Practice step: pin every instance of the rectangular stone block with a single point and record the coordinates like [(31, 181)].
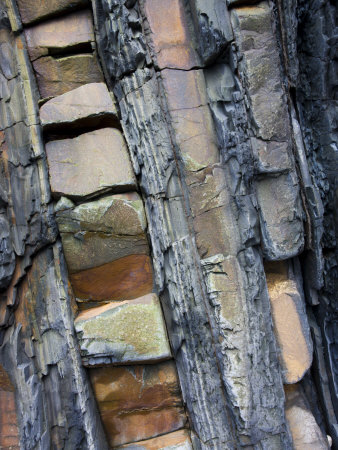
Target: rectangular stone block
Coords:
[(90, 163), (290, 320), (102, 231), (55, 76), (59, 34), (128, 277), (91, 101), (304, 429), (178, 440), (31, 10), (280, 213), (139, 402), (171, 41), (131, 331)]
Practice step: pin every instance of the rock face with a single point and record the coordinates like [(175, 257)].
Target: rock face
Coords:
[(80, 167), (168, 227), (139, 402), (78, 107), (123, 332)]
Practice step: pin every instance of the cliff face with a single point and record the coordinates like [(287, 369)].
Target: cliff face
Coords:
[(168, 258)]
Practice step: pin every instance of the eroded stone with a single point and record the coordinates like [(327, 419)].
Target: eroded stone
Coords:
[(123, 332), (139, 402), (89, 101), (31, 11), (102, 231), (90, 163), (171, 40), (290, 321), (305, 431), (129, 277), (9, 433), (55, 76), (55, 36), (178, 440)]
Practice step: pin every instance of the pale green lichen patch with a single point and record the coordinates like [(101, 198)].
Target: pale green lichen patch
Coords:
[(130, 331)]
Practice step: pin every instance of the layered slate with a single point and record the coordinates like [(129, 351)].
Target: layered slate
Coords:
[(139, 402), (132, 331), (82, 166)]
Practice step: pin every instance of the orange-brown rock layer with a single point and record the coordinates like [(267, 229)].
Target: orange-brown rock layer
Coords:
[(9, 434), (138, 402)]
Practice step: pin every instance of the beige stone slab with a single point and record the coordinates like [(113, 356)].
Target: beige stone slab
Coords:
[(55, 76), (58, 34), (32, 10), (90, 163), (178, 440), (102, 231), (131, 331), (305, 432), (170, 35), (290, 321), (89, 101), (139, 402)]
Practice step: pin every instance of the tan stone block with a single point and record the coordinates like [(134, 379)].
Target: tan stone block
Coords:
[(90, 101), (9, 433), (139, 402), (102, 231), (305, 431), (171, 40), (290, 322), (129, 277), (191, 117), (31, 10), (131, 331), (55, 76), (90, 163), (56, 35), (178, 440)]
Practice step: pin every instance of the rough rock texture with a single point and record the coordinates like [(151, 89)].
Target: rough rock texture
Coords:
[(304, 429), (178, 440), (31, 11), (81, 167), (130, 331), (102, 231), (9, 433), (55, 76), (127, 277), (138, 402), (60, 35), (79, 107), (290, 320)]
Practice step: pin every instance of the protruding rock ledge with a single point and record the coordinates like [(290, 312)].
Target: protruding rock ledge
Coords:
[(81, 106), (290, 321), (132, 331), (31, 10), (90, 163), (178, 440), (305, 431), (102, 231), (139, 402), (57, 35)]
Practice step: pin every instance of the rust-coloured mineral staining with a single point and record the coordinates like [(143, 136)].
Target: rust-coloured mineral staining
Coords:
[(168, 197)]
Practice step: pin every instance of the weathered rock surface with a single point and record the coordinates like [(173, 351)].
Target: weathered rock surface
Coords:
[(305, 432), (55, 76), (31, 11), (290, 321), (90, 101), (90, 163), (9, 433), (124, 278), (123, 332), (171, 40), (103, 231), (139, 402), (59, 35), (178, 440)]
